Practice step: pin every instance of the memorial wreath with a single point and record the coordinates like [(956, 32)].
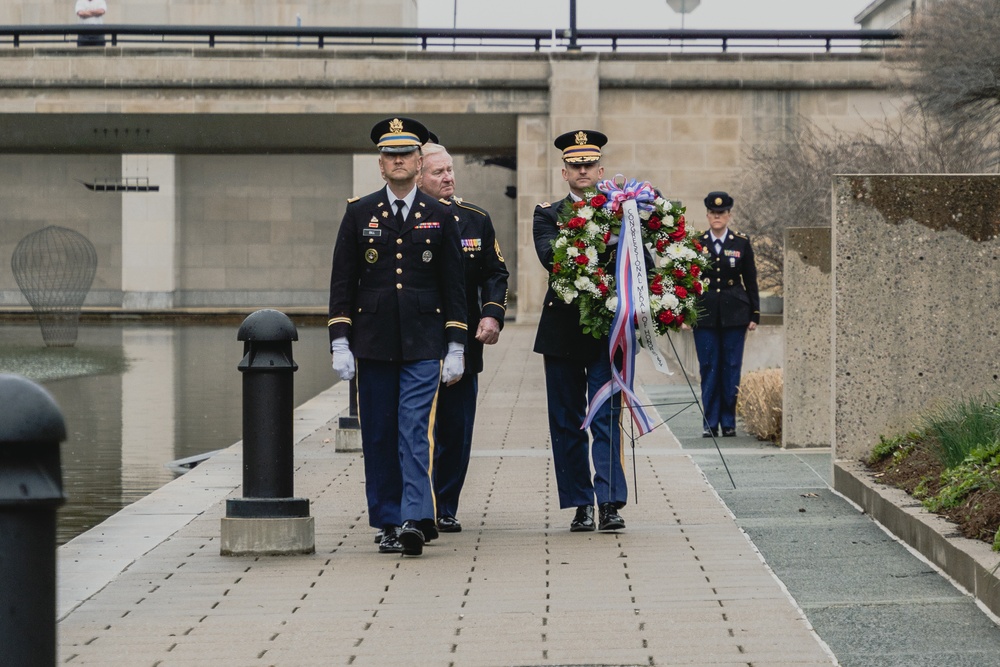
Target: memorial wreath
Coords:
[(583, 271)]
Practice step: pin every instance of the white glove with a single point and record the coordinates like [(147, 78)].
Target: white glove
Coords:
[(454, 364), (343, 360)]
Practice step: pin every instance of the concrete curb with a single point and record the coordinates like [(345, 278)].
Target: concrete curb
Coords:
[(971, 563)]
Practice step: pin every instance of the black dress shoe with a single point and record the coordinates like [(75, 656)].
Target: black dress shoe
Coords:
[(728, 432), (428, 528), (379, 535), (411, 538), (389, 544), (709, 433), (584, 519), (449, 524), (610, 519)]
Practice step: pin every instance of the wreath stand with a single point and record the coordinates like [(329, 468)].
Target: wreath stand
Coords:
[(684, 405)]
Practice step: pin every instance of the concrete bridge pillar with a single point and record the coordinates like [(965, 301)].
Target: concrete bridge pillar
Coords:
[(149, 232), (574, 96)]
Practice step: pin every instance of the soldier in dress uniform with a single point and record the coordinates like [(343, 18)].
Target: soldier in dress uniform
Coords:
[(396, 309), (486, 302), (728, 308), (577, 365)]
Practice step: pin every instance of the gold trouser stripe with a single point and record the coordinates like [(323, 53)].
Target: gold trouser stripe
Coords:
[(430, 439)]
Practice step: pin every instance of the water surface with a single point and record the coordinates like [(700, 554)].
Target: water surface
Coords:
[(137, 396)]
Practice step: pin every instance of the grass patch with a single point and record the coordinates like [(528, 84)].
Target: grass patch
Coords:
[(759, 403), (951, 464)]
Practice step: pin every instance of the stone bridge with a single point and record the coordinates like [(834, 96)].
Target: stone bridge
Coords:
[(216, 178)]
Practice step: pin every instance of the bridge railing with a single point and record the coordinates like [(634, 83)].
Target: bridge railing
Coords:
[(442, 39)]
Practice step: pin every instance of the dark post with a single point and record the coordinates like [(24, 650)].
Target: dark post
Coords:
[(573, 46), (268, 405), (31, 428)]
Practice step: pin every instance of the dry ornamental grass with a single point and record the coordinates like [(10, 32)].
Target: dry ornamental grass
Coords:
[(759, 403)]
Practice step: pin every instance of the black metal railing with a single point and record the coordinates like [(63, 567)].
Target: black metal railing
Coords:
[(431, 39)]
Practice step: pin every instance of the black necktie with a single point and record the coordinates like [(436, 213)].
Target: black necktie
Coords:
[(399, 212)]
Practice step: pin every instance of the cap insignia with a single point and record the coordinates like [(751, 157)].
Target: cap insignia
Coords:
[(581, 138), (395, 126), (718, 201)]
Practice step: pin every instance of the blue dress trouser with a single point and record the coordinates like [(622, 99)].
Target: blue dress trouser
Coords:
[(720, 358), (396, 408), (569, 384), (456, 416)]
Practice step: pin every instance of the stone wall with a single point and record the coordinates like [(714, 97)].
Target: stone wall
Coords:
[(808, 291), (916, 277)]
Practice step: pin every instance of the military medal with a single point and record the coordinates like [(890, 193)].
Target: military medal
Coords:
[(371, 255), (385, 214), (427, 256), (417, 215)]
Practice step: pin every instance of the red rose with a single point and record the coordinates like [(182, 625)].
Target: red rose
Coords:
[(556, 268), (680, 292), (679, 273), (667, 316), (697, 246), (581, 245), (598, 201), (679, 320), (579, 204), (677, 235), (681, 220), (654, 223), (576, 223), (661, 245), (607, 236), (695, 270), (581, 259), (656, 287), (697, 287), (599, 272), (602, 288)]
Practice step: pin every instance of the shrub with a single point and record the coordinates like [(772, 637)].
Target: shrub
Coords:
[(963, 426), (759, 403)]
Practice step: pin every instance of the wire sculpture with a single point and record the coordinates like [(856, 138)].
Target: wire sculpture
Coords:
[(55, 267)]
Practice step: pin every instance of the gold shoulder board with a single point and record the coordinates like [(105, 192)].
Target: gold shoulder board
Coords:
[(353, 199), (545, 204)]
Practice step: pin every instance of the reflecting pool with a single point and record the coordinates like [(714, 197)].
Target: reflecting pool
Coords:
[(137, 396)]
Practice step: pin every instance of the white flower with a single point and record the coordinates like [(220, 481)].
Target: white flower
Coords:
[(644, 214), (583, 283), (592, 228), (572, 251), (669, 300), (661, 203), (668, 220), (591, 253), (561, 242), (587, 212), (612, 303), (569, 295)]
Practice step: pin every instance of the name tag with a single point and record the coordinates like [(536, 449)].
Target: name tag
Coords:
[(371, 232)]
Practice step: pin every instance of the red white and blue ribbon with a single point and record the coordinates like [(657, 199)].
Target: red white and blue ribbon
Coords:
[(618, 191), (633, 301)]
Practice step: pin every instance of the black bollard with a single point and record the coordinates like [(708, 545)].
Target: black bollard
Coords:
[(268, 457), (31, 428)]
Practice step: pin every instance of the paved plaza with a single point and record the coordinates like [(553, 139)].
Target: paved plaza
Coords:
[(682, 585)]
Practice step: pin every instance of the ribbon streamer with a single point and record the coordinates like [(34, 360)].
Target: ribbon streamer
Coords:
[(618, 191), (633, 300)]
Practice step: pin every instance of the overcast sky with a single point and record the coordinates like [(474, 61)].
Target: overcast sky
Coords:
[(651, 14)]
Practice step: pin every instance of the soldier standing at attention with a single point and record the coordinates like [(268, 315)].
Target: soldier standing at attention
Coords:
[(486, 302), (396, 309), (729, 307), (577, 365)]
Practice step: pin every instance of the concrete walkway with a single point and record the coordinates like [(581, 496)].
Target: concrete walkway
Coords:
[(682, 585)]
